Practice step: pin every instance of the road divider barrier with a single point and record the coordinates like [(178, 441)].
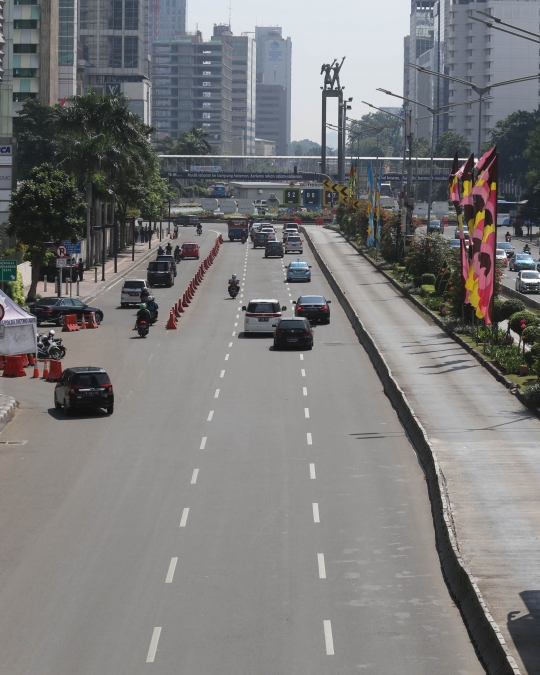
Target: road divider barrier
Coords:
[(55, 371), (13, 367), (92, 323), (70, 323)]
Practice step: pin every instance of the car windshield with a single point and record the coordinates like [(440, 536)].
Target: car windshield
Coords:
[(311, 300), (289, 323), (91, 379), (133, 284), (158, 266), (530, 275), (263, 307), (47, 301)]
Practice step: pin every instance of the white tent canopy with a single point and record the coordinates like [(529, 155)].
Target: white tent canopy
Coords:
[(17, 329)]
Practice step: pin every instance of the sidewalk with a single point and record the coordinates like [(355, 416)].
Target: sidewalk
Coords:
[(486, 442), (88, 288)]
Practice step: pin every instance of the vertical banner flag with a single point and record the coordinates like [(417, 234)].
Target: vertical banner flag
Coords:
[(370, 238), (378, 208), (480, 283)]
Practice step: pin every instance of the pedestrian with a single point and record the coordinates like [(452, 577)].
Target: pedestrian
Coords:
[(80, 268)]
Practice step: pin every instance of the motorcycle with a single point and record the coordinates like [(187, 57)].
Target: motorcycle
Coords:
[(233, 291), (50, 348), (143, 329)]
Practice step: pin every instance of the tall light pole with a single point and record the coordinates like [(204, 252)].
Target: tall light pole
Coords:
[(481, 91), (434, 112)]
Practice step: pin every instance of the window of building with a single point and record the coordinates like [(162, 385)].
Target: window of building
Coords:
[(24, 24), (25, 49), (132, 15), (24, 72), (131, 45), (115, 51)]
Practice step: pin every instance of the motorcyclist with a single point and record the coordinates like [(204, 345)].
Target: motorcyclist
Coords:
[(199, 228), (168, 248), (142, 315), (152, 307), (160, 250), (508, 236)]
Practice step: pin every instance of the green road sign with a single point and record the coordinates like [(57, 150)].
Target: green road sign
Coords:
[(8, 270), (291, 197)]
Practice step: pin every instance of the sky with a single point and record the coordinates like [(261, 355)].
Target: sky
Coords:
[(368, 32)]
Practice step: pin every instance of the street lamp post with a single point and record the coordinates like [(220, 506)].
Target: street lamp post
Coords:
[(481, 91)]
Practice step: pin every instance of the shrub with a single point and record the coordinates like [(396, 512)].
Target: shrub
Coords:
[(530, 319), (427, 289), (428, 279)]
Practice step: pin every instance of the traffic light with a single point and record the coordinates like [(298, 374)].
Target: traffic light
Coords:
[(2, 40)]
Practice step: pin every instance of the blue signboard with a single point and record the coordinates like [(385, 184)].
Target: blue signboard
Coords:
[(72, 248), (311, 196)]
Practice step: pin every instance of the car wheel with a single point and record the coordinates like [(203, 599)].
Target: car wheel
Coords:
[(110, 409), (60, 321), (99, 318)]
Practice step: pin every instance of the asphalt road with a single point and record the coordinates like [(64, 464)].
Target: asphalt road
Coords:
[(243, 512)]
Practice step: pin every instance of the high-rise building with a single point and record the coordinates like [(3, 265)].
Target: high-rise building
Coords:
[(244, 87), (192, 86), (482, 55), (274, 67), (114, 41), (166, 19)]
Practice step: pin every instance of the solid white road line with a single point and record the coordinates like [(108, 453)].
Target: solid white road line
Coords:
[(183, 520), (222, 373), (312, 471), (306, 413), (309, 439), (170, 573), (210, 415), (216, 395), (322, 566), (304, 390), (303, 372), (153, 645), (316, 518), (328, 638), (194, 477), (301, 357), (203, 443), (226, 357)]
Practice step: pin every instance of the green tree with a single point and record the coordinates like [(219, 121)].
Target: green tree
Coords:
[(449, 142), (37, 131), (46, 207), (513, 136)]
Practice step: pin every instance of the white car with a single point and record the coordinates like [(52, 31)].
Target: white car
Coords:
[(528, 281), (293, 244), (131, 291), (262, 315)]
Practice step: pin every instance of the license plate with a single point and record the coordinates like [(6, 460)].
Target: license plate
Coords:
[(264, 318)]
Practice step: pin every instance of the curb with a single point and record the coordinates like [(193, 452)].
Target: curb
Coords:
[(484, 632), (7, 411)]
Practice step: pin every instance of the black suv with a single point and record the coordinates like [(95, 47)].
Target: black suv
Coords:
[(160, 273), (85, 387), (273, 248), (186, 221)]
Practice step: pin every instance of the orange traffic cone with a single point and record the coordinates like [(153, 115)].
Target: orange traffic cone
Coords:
[(45, 369), (36, 369)]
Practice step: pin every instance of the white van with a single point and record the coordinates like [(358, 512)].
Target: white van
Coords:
[(262, 315)]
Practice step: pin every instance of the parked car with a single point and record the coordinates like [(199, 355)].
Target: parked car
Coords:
[(160, 273), (186, 221), (521, 261), (86, 387), (293, 332), (273, 249), (190, 250), (262, 315), (131, 291), (298, 271), (528, 281), (54, 310), (313, 307), (169, 259), (294, 244)]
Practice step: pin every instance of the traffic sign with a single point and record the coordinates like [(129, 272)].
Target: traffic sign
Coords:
[(71, 247), (311, 197), (8, 270), (291, 197), (61, 251), (61, 262)]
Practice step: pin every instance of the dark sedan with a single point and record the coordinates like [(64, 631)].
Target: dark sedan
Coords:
[(313, 307), (293, 332), (53, 310), (85, 387)]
